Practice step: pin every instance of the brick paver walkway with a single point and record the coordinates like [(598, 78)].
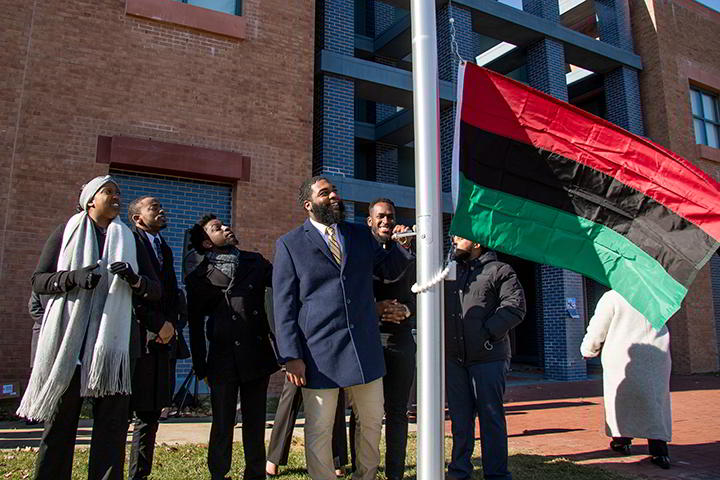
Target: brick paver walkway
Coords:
[(567, 420)]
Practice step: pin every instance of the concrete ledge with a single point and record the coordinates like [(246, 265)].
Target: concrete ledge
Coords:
[(708, 153), (173, 159)]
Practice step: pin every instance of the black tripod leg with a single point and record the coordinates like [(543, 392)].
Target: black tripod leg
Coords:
[(186, 392)]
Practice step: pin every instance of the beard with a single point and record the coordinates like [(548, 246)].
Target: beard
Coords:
[(327, 214), (461, 255)]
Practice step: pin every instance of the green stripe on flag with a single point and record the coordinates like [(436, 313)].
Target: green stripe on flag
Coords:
[(550, 236)]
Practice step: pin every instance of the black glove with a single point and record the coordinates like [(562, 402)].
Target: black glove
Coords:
[(84, 278), (124, 271)]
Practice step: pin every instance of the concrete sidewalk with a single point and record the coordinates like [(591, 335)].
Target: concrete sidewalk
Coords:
[(557, 419)]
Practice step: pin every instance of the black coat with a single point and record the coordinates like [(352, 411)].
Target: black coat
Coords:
[(151, 373), (46, 280), (237, 327), (398, 289), (483, 304), (36, 308), (179, 349)]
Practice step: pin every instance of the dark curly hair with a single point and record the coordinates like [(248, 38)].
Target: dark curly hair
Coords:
[(197, 232)]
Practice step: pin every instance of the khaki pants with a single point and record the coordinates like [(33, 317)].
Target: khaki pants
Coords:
[(367, 401)]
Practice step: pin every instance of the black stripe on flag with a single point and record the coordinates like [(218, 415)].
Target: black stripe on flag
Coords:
[(542, 176)]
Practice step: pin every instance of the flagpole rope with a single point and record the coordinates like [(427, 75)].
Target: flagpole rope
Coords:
[(437, 278), (454, 48), (442, 274)]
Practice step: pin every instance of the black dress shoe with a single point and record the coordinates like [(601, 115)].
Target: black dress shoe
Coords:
[(623, 448), (662, 461)]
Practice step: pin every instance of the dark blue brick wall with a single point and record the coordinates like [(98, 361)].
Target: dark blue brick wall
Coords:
[(386, 163), (622, 86), (384, 17), (335, 26), (546, 68), (184, 201), (334, 131), (613, 25), (562, 335), (547, 9), (334, 101), (715, 279), (622, 99), (384, 111)]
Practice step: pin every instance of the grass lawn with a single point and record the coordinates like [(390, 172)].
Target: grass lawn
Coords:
[(189, 462)]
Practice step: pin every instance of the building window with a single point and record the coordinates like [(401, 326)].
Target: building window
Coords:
[(233, 7), (705, 117)]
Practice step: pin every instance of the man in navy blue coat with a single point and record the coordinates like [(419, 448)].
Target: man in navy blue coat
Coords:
[(326, 324)]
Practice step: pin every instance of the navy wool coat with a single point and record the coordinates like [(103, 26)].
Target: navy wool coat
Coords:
[(325, 312)]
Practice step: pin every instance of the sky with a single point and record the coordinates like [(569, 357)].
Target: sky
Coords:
[(714, 4)]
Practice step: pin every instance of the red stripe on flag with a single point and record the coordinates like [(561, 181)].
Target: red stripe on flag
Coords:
[(500, 105)]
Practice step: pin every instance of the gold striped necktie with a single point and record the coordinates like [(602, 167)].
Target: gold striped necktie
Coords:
[(334, 245)]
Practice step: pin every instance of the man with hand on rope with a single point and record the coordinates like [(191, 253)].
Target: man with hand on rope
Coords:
[(93, 272), (395, 307), (481, 307)]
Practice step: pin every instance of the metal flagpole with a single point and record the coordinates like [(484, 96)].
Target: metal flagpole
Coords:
[(431, 374)]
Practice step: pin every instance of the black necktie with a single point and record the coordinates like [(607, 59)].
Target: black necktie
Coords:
[(158, 251)]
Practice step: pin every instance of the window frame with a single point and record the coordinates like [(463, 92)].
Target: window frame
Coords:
[(702, 118)]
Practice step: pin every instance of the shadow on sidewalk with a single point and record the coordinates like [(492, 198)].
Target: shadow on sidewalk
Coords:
[(30, 437), (556, 390), (543, 431), (695, 461), (547, 405)]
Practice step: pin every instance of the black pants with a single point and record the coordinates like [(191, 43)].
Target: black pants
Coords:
[(284, 423), (477, 391), (143, 444), (400, 364), (173, 367), (107, 446), (657, 448), (223, 396)]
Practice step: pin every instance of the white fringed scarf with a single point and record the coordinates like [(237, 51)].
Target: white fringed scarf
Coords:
[(103, 312)]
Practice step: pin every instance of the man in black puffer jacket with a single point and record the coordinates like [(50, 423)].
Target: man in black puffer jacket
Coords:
[(482, 305)]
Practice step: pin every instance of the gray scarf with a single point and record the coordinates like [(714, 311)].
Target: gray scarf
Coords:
[(99, 317), (226, 262)]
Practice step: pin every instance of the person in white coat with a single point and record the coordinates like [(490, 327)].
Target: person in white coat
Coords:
[(636, 376)]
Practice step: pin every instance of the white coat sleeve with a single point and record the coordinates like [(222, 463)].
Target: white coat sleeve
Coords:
[(598, 327)]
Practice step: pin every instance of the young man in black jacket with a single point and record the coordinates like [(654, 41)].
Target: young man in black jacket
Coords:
[(228, 286), (151, 372), (482, 305)]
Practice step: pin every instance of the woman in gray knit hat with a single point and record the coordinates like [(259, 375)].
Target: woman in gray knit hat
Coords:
[(92, 272)]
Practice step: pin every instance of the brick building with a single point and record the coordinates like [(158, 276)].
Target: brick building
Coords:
[(679, 42), (601, 55), (206, 104)]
